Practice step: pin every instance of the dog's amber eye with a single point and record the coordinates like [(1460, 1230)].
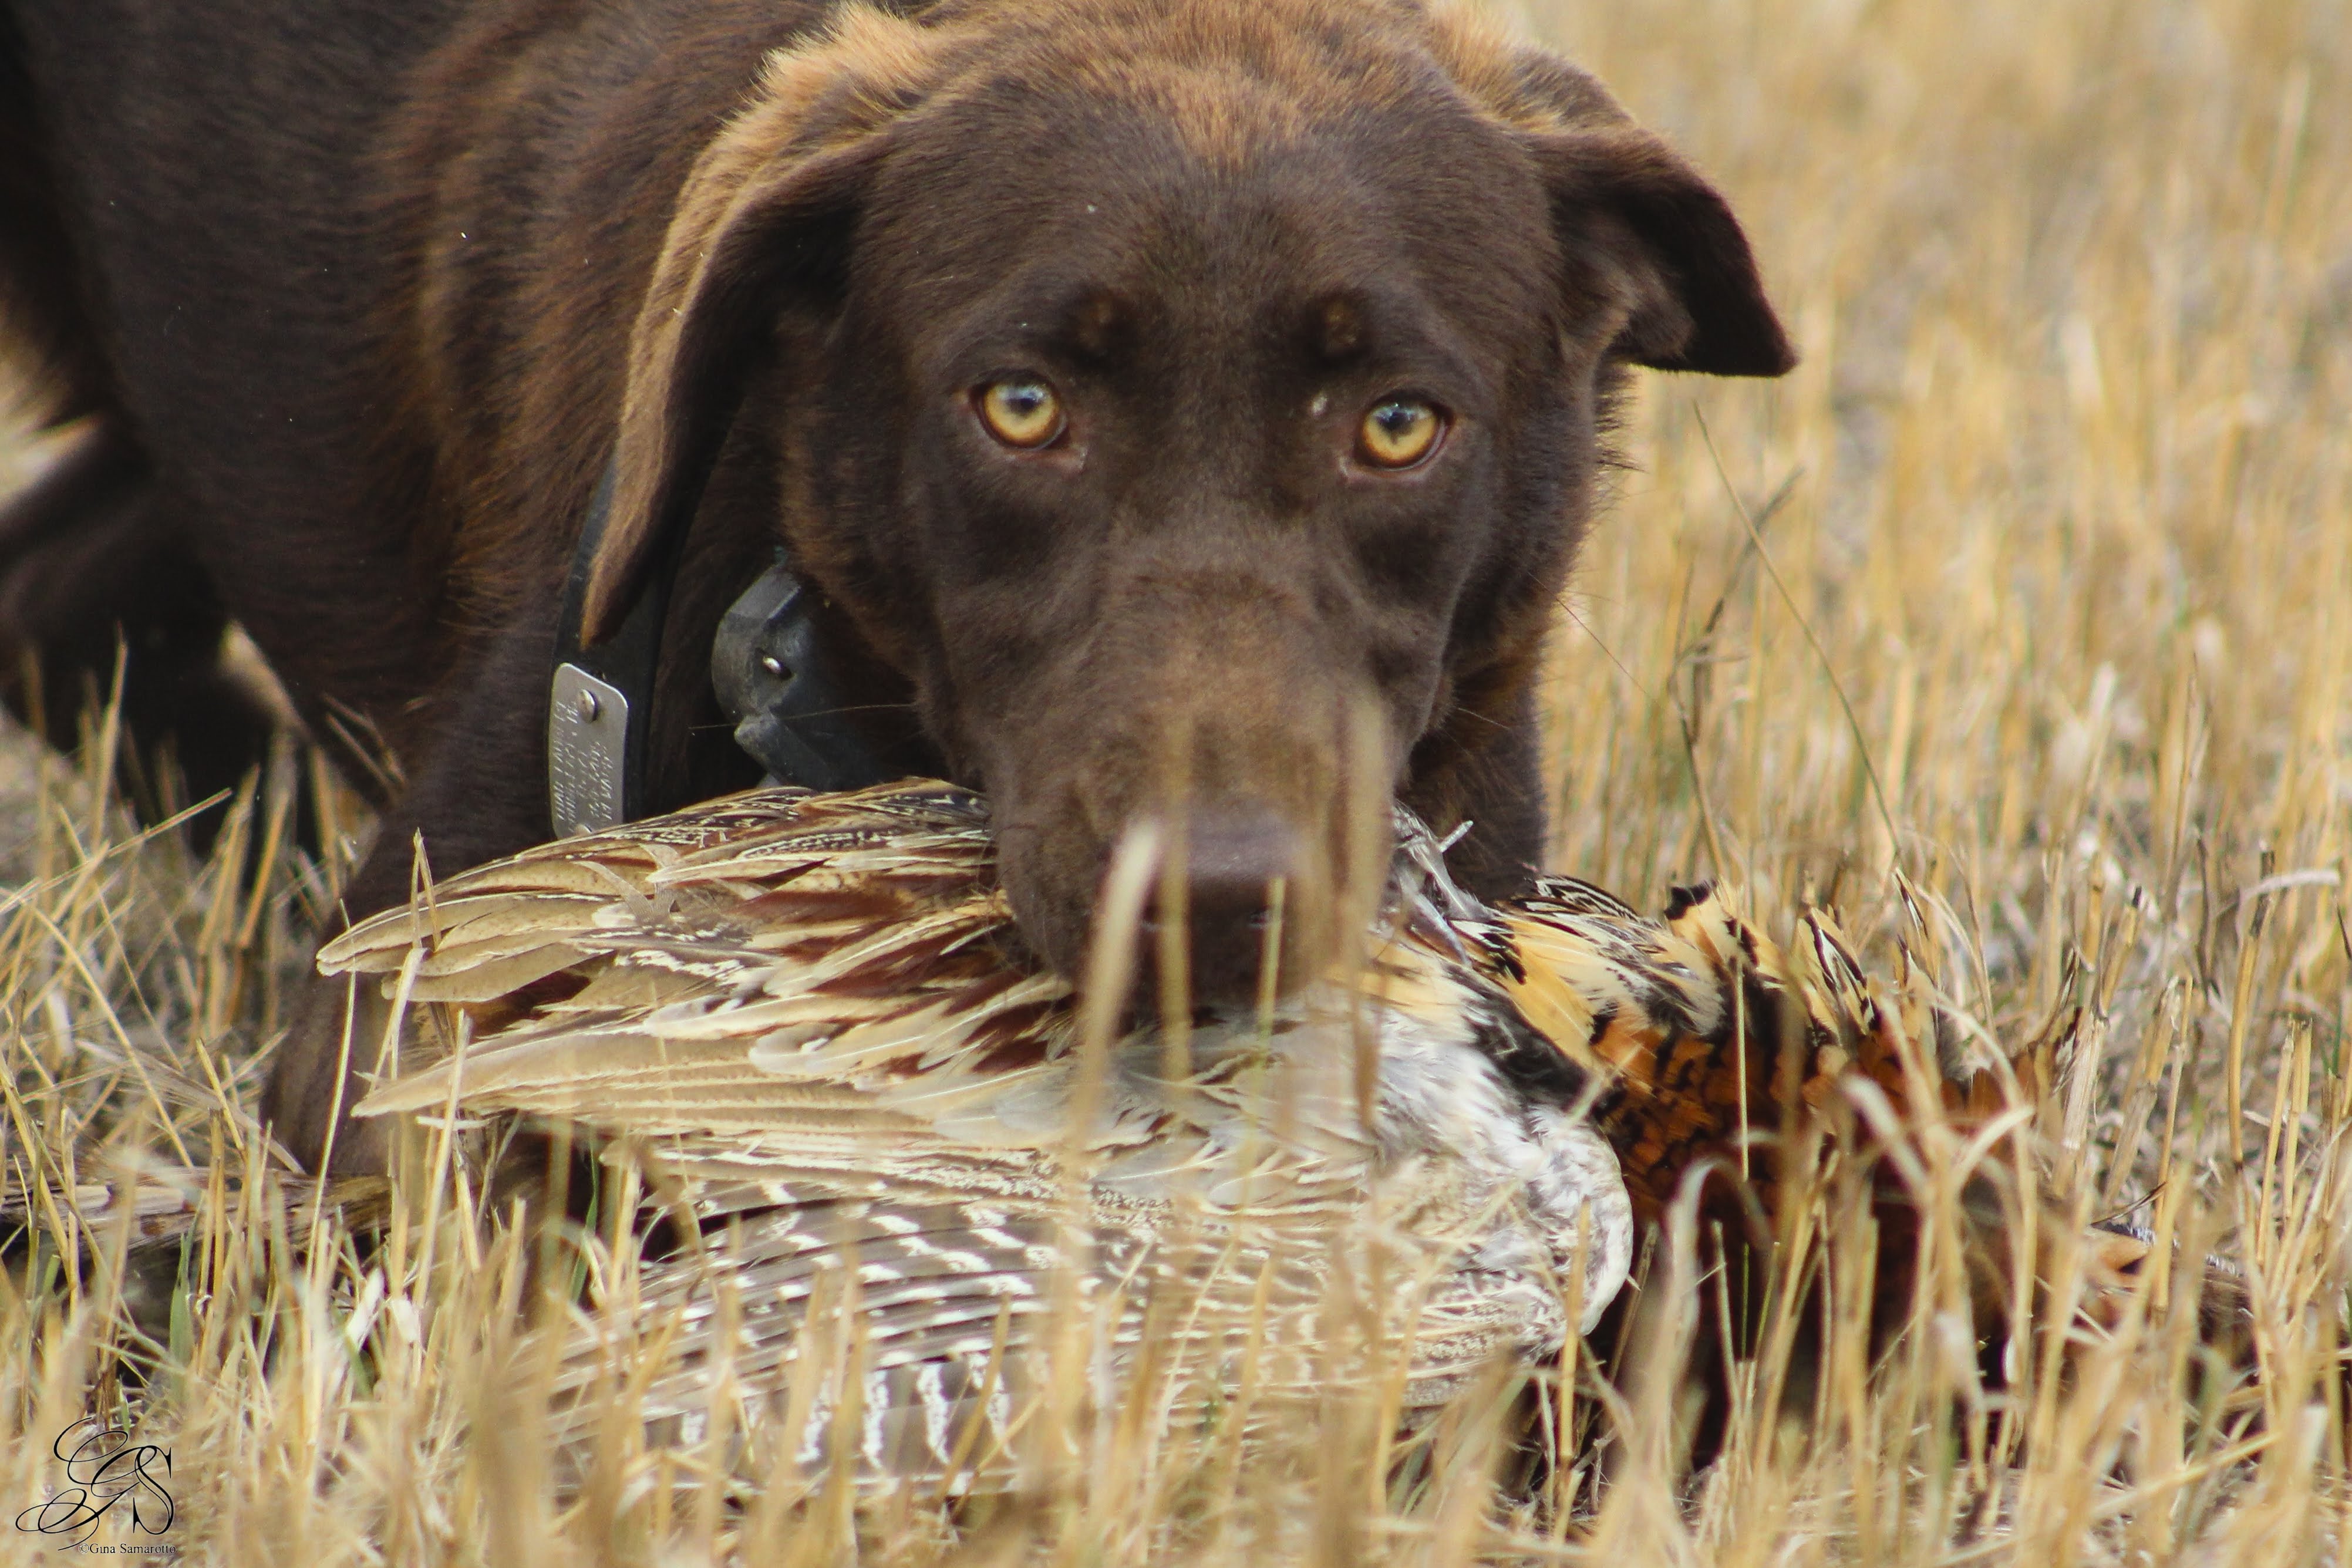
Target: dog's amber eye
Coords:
[(1020, 411), (1399, 432)]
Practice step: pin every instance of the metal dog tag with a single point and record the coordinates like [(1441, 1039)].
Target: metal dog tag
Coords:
[(587, 750)]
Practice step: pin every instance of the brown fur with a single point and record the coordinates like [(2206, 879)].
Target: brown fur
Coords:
[(431, 261)]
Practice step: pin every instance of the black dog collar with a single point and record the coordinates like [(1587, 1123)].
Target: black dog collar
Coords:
[(766, 664)]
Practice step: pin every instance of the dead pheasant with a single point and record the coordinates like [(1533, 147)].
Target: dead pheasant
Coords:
[(803, 1015), (798, 1013)]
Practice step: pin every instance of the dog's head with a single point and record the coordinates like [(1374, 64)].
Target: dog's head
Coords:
[(1197, 400)]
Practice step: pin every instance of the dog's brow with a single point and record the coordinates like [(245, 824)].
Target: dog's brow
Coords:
[(1337, 321), (1059, 318)]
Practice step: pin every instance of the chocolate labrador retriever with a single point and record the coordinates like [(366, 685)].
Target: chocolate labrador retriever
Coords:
[(1174, 408)]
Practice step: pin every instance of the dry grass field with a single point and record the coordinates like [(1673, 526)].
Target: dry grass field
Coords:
[(2032, 586)]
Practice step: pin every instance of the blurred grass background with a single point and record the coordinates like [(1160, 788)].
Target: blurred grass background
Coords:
[(2055, 613), (2033, 583)]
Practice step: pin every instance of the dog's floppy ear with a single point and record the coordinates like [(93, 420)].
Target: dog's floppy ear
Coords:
[(706, 321), (1626, 203), (765, 218)]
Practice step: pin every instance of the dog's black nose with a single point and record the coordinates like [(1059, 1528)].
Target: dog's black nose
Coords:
[(1239, 868)]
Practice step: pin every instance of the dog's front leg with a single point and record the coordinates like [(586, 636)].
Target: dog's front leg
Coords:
[(479, 793)]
